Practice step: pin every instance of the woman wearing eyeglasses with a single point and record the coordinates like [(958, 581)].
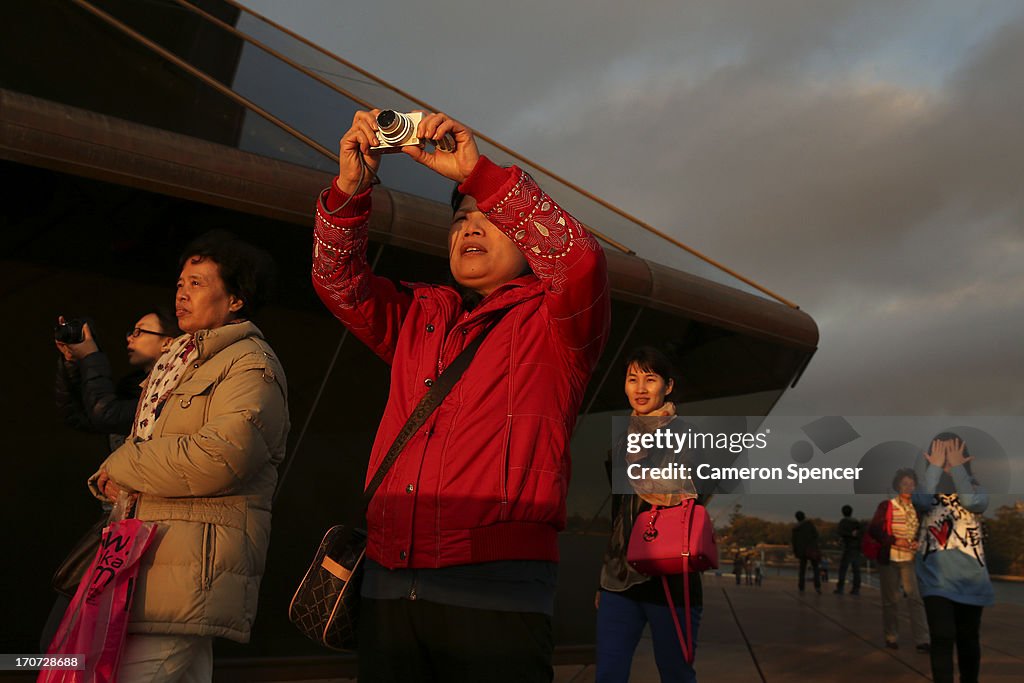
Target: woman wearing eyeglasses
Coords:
[(150, 338), (90, 400), (87, 396)]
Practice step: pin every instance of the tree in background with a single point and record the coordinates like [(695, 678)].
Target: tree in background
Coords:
[(1004, 540), (746, 531)]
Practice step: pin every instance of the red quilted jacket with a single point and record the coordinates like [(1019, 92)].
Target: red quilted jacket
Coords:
[(486, 477)]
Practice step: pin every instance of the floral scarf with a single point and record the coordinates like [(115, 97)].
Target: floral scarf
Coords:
[(161, 382), (647, 424), (652, 421)]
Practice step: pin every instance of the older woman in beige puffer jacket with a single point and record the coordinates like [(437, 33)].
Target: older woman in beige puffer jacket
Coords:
[(203, 456)]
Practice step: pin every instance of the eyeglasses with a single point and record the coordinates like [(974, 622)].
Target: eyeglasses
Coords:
[(134, 334)]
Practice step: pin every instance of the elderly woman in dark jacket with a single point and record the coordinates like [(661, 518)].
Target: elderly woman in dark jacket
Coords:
[(627, 599)]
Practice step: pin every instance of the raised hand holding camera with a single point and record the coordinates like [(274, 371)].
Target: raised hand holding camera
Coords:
[(357, 166), (74, 339), (377, 132), (396, 130), (455, 165)]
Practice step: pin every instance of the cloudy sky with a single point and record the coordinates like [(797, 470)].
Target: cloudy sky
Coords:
[(863, 159)]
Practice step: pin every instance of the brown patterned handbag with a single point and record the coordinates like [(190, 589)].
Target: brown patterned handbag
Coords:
[(326, 605)]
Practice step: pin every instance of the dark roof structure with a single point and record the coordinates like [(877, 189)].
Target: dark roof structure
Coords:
[(126, 128)]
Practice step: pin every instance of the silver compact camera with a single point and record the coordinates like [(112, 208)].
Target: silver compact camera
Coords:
[(396, 130)]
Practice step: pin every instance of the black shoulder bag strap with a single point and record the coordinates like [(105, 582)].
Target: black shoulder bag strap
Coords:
[(430, 401)]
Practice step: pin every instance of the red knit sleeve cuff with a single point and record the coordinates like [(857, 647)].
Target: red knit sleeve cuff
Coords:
[(489, 183), (333, 198)]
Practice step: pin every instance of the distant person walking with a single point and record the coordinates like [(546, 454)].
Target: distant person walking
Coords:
[(950, 561), (895, 527), (805, 547), (850, 533)]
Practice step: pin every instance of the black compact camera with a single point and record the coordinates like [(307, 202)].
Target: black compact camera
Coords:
[(70, 332)]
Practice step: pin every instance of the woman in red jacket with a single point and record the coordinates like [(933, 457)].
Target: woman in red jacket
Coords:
[(463, 532)]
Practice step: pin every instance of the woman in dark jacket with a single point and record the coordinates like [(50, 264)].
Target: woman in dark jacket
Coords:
[(629, 600), (88, 399)]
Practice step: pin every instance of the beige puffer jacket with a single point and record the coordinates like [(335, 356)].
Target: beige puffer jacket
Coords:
[(207, 478)]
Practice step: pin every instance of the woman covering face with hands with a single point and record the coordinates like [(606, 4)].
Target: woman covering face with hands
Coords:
[(951, 568), (947, 454)]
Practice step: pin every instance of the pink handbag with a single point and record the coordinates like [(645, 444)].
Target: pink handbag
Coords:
[(673, 540)]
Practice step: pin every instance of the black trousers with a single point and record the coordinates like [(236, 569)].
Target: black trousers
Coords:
[(415, 640), (953, 623), (815, 572), (850, 559)]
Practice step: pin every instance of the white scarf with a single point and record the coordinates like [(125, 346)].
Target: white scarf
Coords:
[(161, 382)]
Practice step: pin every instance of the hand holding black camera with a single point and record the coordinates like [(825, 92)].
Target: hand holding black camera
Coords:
[(74, 339)]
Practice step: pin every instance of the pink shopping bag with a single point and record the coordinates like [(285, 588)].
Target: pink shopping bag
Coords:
[(96, 621)]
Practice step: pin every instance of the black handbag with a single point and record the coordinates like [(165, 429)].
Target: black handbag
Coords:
[(325, 606), (72, 570)]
